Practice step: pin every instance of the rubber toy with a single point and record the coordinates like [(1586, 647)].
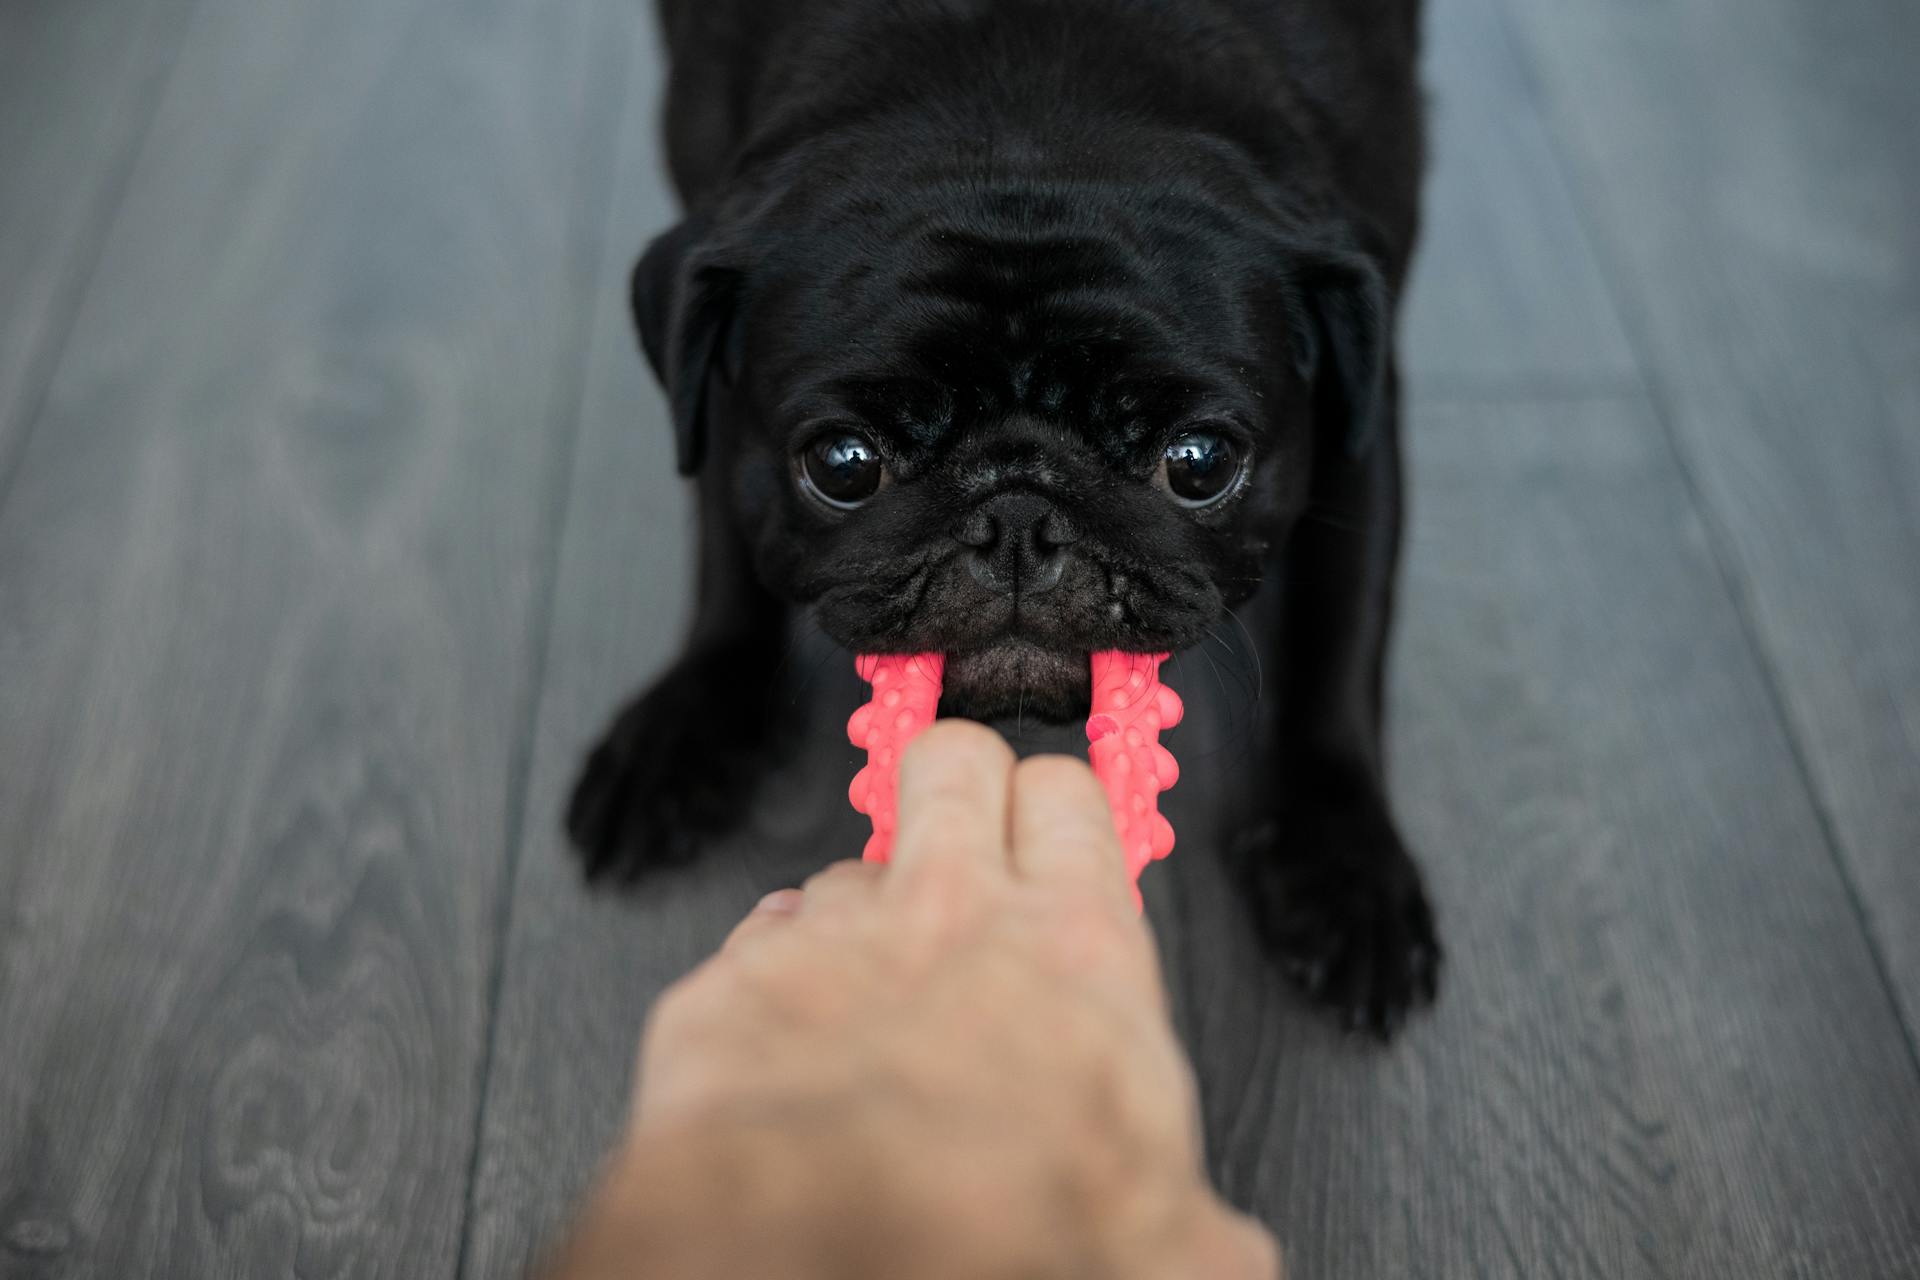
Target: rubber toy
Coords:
[(1130, 710), (906, 693)]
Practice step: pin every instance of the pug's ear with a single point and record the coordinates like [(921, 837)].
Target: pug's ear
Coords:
[(1341, 330), (683, 306)]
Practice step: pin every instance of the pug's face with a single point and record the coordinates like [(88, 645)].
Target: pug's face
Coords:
[(1013, 429)]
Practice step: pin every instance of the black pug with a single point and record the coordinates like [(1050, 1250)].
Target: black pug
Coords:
[(1017, 329)]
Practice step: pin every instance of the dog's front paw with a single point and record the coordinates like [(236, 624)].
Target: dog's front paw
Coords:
[(1344, 913), (674, 771)]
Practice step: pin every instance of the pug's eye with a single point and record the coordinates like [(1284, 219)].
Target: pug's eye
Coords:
[(844, 469), (1200, 467)]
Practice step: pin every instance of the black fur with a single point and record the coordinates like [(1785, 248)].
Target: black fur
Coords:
[(1021, 245)]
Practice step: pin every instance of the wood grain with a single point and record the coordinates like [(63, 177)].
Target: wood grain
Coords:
[(1506, 294), (1661, 1047), (273, 567), (287, 715), (1753, 171), (78, 82), (580, 970)]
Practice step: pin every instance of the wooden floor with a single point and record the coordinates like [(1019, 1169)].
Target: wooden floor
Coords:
[(332, 522)]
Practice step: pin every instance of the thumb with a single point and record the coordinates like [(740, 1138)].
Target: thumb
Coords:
[(1227, 1246), (771, 912)]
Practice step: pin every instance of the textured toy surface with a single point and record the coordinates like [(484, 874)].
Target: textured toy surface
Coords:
[(906, 693), (1130, 710)]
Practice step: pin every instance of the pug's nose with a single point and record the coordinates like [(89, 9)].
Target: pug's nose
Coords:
[(1016, 544)]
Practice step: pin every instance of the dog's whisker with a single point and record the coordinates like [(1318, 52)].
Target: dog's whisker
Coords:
[(819, 664), (1218, 746), (1253, 652), (1334, 519), (1236, 665), (1218, 679)]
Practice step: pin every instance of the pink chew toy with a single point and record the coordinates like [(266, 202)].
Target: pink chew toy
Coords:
[(906, 692), (1130, 709)]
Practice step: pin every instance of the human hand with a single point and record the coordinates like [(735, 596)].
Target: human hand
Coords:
[(956, 1065)]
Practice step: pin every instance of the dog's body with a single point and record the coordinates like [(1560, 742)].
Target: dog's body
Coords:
[(1017, 329)]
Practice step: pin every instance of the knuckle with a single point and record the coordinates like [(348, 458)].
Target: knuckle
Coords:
[(947, 876), (676, 1010), (840, 875), (1088, 932)]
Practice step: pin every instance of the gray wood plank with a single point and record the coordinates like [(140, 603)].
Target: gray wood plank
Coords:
[(1662, 1049), (1505, 291), (272, 580), (579, 971), (78, 80), (1754, 171)]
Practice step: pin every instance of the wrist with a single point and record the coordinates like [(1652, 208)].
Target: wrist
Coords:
[(814, 1191), (698, 1199)]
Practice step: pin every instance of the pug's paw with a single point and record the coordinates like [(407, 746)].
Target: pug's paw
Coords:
[(674, 771)]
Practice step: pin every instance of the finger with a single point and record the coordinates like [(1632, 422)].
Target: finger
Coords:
[(1228, 1245), (1251, 1248), (842, 883), (770, 912), (1063, 829), (954, 780)]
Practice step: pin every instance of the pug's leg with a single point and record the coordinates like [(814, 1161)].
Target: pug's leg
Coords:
[(1340, 901), (679, 763)]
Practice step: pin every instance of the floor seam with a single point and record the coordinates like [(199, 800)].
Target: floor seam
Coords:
[(1495, 391), (44, 366), (568, 414), (1718, 537)]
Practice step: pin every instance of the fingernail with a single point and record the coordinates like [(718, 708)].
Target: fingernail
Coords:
[(782, 902)]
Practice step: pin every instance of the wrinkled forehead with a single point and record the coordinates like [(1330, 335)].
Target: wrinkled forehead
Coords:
[(921, 325)]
